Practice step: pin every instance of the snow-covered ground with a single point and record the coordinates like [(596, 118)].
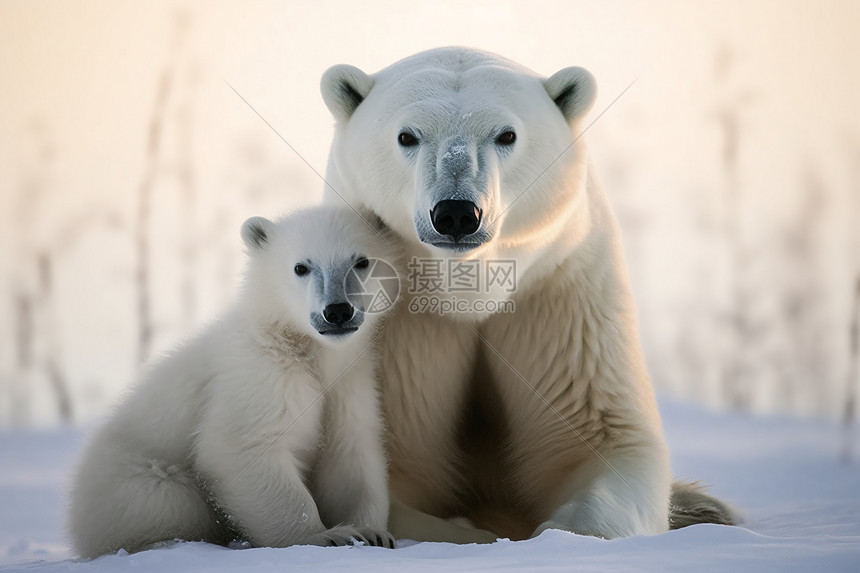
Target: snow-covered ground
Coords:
[(801, 505)]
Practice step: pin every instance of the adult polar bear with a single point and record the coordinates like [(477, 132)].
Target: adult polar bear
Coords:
[(540, 418)]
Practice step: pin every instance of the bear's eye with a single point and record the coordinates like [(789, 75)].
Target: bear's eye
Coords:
[(406, 139), (301, 269), (506, 138), (362, 263)]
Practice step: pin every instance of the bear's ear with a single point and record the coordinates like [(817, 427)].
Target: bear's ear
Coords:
[(256, 232), (573, 90), (343, 88)]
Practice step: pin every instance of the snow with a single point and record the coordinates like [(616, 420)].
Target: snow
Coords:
[(801, 508)]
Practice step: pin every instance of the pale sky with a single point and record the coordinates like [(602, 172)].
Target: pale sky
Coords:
[(85, 72)]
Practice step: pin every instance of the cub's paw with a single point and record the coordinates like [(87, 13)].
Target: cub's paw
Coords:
[(337, 537), (378, 537), (343, 535)]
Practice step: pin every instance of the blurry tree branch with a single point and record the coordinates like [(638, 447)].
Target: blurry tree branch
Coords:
[(145, 191), (849, 415), (736, 363), (849, 412)]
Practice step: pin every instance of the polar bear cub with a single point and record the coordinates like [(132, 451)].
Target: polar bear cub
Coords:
[(265, 426)]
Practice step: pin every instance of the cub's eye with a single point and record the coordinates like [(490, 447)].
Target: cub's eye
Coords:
[(506, 138), (301, 269), (406, 139), (362, 263)]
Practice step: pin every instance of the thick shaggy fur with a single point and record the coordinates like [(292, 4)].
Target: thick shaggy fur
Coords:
[(259, 428), (540, 418)]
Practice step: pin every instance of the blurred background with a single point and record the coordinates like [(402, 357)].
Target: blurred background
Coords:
[(127, 165)]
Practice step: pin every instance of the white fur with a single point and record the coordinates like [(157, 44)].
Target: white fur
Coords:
[(578, 444), (258, 427)]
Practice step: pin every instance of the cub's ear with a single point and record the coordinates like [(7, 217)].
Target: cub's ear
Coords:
[(573, 90), (343, 88), (256, 233)]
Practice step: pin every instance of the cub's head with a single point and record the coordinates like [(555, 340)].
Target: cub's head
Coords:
[(463, 151), (327, 271)]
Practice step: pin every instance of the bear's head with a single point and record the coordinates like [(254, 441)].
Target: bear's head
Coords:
[(328, 272), (463, 153)]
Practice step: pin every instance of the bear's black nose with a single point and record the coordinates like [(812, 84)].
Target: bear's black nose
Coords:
[(339, 313), (455, 218)]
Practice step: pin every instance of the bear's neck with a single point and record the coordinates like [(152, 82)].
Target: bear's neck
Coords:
[(586, 239)]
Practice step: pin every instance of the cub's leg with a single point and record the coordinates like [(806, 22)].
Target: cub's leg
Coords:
[(350, 479), (255, 444)]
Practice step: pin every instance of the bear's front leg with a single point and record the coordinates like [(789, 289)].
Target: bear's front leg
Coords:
[(350, 478), (584, 432), (628, 496), (593, 458)]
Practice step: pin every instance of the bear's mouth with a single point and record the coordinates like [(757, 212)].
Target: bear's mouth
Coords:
[(459, 247), (338, 331)]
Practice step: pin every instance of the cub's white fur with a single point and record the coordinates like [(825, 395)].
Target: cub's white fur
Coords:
[(260, 427), (540, 418)]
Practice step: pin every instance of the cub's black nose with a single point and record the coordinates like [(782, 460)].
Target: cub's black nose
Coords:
[(339, 313), (455, 218)]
